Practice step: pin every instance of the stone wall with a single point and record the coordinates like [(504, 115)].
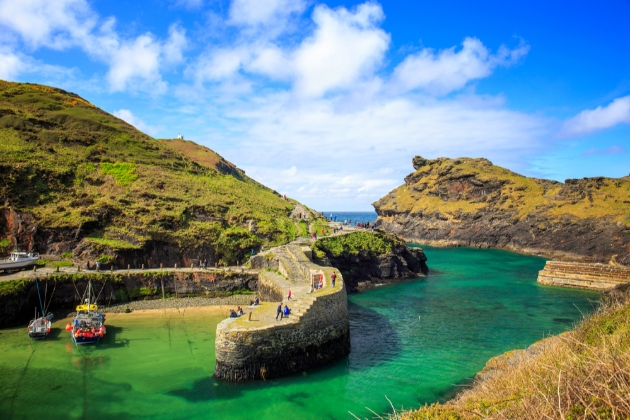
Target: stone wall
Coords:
[(583, 275), (61, 291), (313, 335)]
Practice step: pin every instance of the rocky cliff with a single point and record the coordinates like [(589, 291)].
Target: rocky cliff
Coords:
[(471, 202), (366, 258)]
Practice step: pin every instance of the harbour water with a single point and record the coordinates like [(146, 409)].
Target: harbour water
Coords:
[(413, 342)]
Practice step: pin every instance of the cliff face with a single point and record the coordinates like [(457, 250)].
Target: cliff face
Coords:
[(471, 202), (366, 258)]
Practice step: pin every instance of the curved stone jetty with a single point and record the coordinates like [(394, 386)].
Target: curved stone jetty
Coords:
[(259, 346)]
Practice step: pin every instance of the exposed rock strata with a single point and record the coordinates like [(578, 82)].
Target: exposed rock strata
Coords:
[(470, 202), (584, 275)]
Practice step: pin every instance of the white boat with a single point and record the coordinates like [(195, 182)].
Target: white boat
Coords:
[(19, 260)]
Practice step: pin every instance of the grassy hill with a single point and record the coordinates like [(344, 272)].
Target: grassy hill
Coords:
[(77, 179), (473, 202)]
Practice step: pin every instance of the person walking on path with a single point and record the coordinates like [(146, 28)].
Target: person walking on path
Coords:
[(289, 295), (279, 312), (333, 277)]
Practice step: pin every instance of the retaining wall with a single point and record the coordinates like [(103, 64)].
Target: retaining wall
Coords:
[(583, 275)]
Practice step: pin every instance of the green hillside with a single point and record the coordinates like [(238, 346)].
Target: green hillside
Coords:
[(97, 181)]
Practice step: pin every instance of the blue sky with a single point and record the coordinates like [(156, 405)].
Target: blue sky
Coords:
[(329, 101)]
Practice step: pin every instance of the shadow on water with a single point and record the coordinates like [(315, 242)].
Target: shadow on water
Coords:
[(112, 338), (206, 389), (373, 338)]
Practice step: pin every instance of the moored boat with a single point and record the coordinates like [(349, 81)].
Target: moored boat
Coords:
[(39, 328), (88, 325), (19, 260)]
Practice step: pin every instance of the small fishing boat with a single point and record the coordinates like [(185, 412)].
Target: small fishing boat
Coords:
[(19, 260), (39, 328), (88, 325)]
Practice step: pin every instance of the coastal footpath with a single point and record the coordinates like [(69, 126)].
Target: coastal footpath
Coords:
[(264, 346)]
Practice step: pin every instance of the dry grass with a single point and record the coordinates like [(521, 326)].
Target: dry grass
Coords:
[(582, 374)]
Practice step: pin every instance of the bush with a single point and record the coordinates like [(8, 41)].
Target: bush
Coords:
[(66, 255), (104, 259), (124, 173)]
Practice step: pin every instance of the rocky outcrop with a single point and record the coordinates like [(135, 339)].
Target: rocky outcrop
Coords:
[(364, 268), (470, 202), (18, 299)]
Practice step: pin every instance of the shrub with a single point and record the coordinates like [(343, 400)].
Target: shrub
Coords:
[(104, 259), (5, 246), (66, 255)]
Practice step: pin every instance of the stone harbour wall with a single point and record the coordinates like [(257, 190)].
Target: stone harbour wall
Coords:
[(583, 275), (316, 333)]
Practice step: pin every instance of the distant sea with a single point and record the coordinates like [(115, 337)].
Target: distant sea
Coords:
[(355, 216)]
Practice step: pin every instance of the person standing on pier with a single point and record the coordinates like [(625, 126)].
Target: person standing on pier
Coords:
[(333, 277)]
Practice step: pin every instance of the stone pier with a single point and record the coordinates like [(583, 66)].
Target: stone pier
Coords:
[(259, 346), (583, 275)]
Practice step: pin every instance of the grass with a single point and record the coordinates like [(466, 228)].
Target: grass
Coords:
[(447, 186), (124, 173), (581, 374), (75, 167), (355, 243)]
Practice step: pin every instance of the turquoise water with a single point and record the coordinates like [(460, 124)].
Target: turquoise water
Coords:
[(355, 216), (413, 343)]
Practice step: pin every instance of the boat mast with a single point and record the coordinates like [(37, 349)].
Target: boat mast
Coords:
[(89, 294)]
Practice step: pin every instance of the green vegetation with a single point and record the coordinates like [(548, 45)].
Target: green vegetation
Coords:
[(62, 264), (124, 173), (465, 185), (582, 374), (66, 255), (104, 259), (5, 246), (75, 167), (355, 243), (302, 227)]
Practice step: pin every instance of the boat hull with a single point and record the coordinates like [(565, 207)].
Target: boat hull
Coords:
[(14, 265), (85, 340)]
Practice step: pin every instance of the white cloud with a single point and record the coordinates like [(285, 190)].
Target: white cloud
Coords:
[(10, 64), (55, 24), (600, 118), (138, 59), (127, 116), (134, 62), (345, 48), (448, 70)]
